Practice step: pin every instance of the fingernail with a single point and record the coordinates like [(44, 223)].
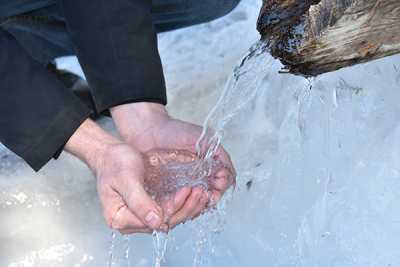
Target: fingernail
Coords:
[(152, 219)]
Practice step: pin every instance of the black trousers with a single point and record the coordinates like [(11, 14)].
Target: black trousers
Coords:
[(116, 44)]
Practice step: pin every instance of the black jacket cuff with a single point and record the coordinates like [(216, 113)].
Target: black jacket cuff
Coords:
[(54, 138), (38, 113)]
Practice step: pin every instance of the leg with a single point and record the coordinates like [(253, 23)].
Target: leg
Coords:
[(38, 113), (175, 14), (43, 34), (15, 7)]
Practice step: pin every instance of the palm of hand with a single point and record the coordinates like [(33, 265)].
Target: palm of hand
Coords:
[(147, 126), (170, 134), (176, 134)]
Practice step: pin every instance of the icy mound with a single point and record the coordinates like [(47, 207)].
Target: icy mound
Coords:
[(318, 170)]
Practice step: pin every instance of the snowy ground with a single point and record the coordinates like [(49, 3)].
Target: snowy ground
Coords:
[(319, 169)]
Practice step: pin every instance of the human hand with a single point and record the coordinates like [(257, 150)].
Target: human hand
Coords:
[(167, 171), (147, 126), (119, 169)]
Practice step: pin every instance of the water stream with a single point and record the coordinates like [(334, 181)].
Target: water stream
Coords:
[(240, 90)]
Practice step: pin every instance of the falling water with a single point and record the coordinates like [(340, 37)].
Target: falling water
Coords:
[(111, 250), (240, 90), (160, 243), (126, 249), (127, 240)]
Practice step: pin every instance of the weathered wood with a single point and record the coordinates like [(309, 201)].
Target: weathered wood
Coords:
[(317, 36)]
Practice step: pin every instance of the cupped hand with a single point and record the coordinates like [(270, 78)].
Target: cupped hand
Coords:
[(167, 171), (120, 182), (127, 206), (147, 126), (119, 169)]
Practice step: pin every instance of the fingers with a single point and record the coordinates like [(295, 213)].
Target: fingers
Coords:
[(111, 202), (225, 176), (193, 206), (222, 180), (176, 202), (226, 159), (143, 206), (215, 198), (202, 205), (189, 204), (126, 222)]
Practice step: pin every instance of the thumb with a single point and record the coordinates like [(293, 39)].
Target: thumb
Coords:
[(143, 206)]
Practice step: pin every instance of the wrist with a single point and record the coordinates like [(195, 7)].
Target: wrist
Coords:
[(139, 112), (90, 144), (135, 118)]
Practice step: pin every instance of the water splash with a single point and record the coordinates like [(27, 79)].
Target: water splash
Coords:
[(160, 243), (168, 170), (240, 90), (127, 240), (111, 249)]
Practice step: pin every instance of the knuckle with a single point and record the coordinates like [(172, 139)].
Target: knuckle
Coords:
[(117, 225)]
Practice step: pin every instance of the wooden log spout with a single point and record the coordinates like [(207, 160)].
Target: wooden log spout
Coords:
[(317, 36)]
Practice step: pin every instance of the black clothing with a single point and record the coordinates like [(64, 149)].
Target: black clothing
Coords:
[(116, 45), (79, 87)]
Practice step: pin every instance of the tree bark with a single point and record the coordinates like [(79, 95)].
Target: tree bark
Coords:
[(317, 36)]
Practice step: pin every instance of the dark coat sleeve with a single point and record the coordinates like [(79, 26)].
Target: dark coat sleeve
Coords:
[(116, 45), (37, 113)]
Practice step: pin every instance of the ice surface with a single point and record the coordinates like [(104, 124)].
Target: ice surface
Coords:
[(318, 170)]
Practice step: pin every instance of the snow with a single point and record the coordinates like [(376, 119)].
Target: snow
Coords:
[(318, 164)]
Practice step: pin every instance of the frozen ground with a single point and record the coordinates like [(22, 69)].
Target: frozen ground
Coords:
[(318, 164)]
